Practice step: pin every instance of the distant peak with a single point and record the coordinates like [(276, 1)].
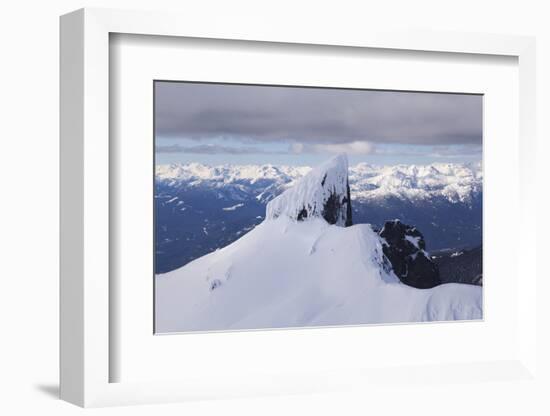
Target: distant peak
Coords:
[(322, 193)]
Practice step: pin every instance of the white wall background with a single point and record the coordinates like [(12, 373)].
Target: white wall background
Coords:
[(29, 207)]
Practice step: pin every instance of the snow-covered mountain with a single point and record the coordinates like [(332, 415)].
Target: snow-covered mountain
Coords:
[(263, 182), (202, 208), (295, 270), (453, 182)]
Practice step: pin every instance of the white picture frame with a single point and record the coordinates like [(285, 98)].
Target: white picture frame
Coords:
[(86, 355)]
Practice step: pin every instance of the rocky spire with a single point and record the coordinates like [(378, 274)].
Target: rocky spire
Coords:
[(322, 193)]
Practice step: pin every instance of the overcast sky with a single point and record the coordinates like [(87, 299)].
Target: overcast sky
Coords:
[(224, 123)]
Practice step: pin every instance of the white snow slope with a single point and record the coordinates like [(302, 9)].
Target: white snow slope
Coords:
[(286, 273)]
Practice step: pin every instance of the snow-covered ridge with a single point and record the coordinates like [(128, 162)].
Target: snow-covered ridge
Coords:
[(287, 273), (454, 182)]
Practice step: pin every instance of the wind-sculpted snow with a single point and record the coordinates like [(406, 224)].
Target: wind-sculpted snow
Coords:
[(287, 273), (322, 193)]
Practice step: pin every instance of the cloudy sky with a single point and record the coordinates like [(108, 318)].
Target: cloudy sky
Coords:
[(224, 123)]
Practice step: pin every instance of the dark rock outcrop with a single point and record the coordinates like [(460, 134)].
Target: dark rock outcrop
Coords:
[(404, 246), (333, 207)]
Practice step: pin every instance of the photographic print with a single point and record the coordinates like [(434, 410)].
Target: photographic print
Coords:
[(288, 206)]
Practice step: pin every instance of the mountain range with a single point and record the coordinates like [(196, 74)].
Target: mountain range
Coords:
[(202, 208)]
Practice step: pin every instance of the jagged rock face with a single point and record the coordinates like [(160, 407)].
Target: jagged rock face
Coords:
[(404, 246), (323, 193)]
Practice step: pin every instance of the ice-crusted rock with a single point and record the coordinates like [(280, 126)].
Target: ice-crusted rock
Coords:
[(322, 193), (405, 248)]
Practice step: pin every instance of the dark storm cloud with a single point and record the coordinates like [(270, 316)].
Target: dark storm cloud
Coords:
[(211, 149), (318, 116), (445, 151)]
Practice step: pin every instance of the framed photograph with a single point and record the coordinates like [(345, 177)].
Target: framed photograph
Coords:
[(286, 206), (245, 213)]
